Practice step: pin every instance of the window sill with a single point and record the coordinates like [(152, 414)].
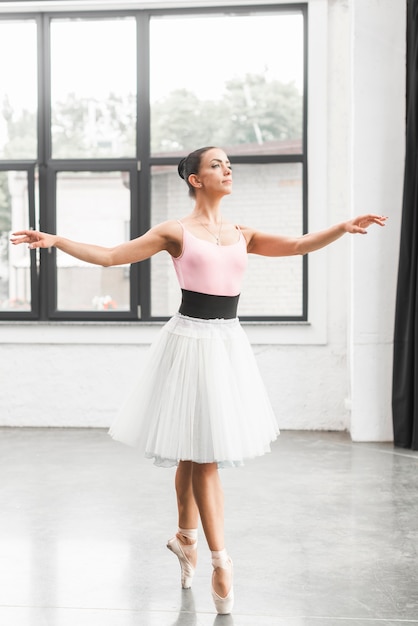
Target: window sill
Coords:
[(137, 333)]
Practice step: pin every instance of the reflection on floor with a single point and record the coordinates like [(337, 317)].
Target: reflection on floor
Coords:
[(323, 532)]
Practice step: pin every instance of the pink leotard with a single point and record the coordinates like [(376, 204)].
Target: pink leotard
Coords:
[(205, 267)]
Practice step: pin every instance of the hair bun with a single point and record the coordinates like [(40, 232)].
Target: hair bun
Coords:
[(181, 168)]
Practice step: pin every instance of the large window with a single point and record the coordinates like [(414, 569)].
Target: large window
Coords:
[(90, 136)]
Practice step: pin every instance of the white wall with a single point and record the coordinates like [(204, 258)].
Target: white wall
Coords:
[(75, 374), (377, 160)]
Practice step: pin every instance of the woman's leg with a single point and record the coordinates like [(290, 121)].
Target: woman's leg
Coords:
[(209, 498), (188, 513), (187, 507), (208, 495)]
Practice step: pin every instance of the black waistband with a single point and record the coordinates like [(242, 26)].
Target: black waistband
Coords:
[(207, 307)]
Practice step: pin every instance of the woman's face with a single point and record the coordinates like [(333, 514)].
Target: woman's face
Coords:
[(215, 176)]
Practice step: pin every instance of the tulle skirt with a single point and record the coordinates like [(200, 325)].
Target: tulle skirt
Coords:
[(199, 397)]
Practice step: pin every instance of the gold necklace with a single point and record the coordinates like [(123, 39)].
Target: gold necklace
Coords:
[(216, 237)]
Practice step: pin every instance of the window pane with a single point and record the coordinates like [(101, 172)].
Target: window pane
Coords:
[(169, 200), (92, 207), (272, 287), (18, 89), (217, 91), (93, 88), (15, 283)]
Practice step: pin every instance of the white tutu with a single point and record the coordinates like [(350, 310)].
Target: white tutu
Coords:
[(199, 398)]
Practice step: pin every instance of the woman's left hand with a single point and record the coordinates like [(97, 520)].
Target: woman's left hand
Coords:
[(362, 222)]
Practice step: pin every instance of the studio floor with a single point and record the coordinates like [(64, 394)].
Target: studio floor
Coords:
[(322, 531)]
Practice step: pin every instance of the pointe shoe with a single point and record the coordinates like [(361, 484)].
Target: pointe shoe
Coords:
[(224, 605), (187, 569)]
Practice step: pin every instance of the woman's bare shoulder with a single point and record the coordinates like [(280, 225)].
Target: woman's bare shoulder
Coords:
[(247, 231), (170, 229)]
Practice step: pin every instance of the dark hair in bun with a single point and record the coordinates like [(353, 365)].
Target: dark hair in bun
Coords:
[(190, 165), (181, 167)]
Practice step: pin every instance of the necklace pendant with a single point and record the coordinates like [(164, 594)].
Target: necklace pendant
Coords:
[(216, 237)]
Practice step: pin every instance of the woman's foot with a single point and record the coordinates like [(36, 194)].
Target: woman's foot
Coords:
[(222, 587), (185, 548)]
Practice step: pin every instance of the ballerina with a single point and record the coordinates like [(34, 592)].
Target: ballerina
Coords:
[(200, 402)]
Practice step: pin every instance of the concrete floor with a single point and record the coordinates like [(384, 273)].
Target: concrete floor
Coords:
[(322, 531)]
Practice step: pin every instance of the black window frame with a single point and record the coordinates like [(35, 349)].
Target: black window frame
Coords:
[(43, 268)]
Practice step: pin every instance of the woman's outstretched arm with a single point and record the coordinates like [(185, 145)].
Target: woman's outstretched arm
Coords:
[(277, 245), (165, 236)]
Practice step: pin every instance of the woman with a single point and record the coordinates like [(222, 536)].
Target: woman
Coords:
[(200, 403)]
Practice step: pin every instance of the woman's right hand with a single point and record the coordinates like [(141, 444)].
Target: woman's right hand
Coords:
[(34, 238)]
